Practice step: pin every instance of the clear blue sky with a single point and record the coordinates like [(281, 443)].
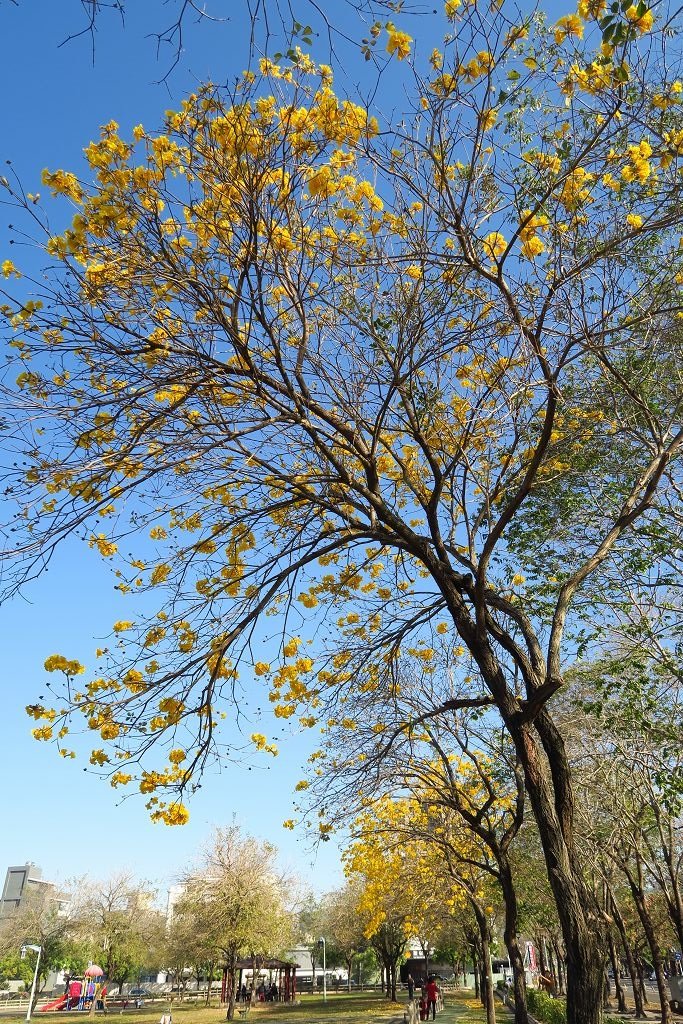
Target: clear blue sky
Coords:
[(52, 812)]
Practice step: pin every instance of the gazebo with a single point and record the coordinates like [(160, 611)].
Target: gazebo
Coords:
[(286, 975)]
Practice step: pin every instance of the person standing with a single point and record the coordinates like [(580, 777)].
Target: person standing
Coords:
[(411, 986), (432, 992)]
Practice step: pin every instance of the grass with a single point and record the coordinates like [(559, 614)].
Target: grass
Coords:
[(342, 1008)]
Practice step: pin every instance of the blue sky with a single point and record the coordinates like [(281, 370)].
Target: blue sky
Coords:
[(54, 813)]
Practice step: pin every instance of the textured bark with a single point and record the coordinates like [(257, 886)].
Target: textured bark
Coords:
[(630, 959), (487, 997), (616, 968), (549, 786), (511, 940), (560, 967), (635, 882)]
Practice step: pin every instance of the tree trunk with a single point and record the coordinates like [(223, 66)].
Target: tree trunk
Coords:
[(549, 785), (560, 967), (640, 970), (550, 962), (540, 946), (630, 959), (616, 969), (231, 979), (650, 935), (512, 942), (487, 975), (673, 891), (541, 752)]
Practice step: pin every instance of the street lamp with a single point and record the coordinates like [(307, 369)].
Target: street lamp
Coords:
[(321, 942), (38, 950)]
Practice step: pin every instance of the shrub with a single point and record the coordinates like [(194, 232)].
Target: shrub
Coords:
[(545, 1008)]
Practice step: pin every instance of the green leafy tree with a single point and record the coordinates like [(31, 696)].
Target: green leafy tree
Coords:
[(118, 920), (346, 926), (234, 899), (40, 921)]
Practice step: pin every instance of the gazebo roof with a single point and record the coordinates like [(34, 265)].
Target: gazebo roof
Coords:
[(269, 965)]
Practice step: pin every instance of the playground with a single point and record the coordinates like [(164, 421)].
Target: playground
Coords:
[(80, 993)]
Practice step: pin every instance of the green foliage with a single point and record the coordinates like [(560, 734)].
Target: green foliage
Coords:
[(13, 968), (545, 1008)]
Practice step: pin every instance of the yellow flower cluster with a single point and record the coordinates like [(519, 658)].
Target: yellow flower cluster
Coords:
[(8, 269), (480, 65), (42, 733), (639, 167), (642, 23), (398, 42), (494, 245), (261, 743), (532, 244), (120, 779), (106, 548), (570, 25), (171, 814), (576, 189), (58, 663), (591, 9)]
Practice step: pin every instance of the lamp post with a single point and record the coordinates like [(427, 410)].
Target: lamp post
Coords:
[(321, 942), (38, 950)]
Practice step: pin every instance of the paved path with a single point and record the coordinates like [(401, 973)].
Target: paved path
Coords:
[(463, 1008)]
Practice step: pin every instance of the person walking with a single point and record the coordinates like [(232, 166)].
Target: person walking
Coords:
[(432, 993)]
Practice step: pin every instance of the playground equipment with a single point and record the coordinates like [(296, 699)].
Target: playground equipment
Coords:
[(57, 1004), (80, 992), (90, 986)]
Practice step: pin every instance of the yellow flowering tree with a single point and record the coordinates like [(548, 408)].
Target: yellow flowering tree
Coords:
[(458, 769), (404, 375), (420, 868)]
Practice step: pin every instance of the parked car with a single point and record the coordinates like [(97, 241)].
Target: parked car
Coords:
[(140, 993)]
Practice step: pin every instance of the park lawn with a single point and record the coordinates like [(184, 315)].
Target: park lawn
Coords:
[(342, 1008)]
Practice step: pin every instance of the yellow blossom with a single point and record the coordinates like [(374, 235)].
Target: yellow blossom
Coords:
[(8, 268), (174, 814), (291, 647), (398, 43), (494, 244), (641, 22), (570, 25), (58, 663)]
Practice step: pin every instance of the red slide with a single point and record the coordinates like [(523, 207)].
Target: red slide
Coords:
[(56, 1004)]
